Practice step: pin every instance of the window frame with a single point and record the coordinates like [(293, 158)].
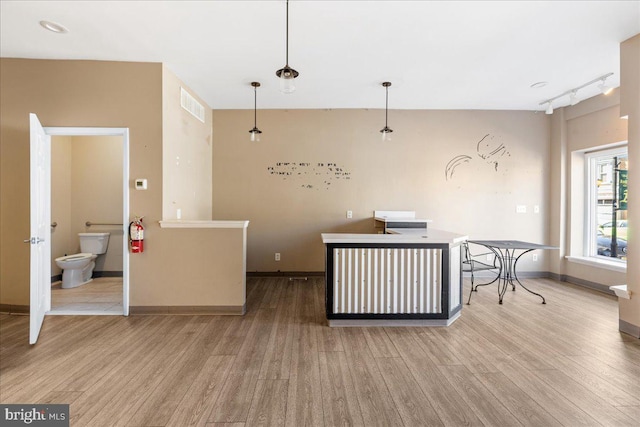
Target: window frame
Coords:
[(590, 233)]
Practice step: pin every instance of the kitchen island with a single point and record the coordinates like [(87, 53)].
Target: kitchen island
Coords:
[(407, 277)]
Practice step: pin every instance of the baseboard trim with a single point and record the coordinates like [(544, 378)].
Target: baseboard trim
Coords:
[(97, 274), (629, 328), (559, 277), (209, 310), (581, 282), (522, 275), (14, 309), (363, 323), (291, 274)]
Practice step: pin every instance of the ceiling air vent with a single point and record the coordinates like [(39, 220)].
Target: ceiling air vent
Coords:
[(190, 104)]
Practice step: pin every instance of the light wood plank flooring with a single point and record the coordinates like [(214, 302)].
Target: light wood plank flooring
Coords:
[(520, 363)]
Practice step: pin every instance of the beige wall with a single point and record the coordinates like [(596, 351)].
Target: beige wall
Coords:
[(73, 93), (186, 153), (630, 106), (591, 123), (588, 129), (288, 212), (194, 267), (101, 94), (62, 241), (93, 175)]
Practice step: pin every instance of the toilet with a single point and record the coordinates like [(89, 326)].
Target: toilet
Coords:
[(77, 269)]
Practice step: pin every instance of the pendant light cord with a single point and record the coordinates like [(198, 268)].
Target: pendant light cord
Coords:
[(255, 107), (386, 108), (287, 53)]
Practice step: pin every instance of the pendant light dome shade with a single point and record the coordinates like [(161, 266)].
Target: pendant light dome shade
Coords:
[(287, 74), (386, 130), (255, 132)]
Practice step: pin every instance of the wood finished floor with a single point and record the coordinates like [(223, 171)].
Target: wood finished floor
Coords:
[(520, 363)]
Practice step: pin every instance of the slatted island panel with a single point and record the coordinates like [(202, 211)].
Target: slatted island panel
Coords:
[(412, 277)]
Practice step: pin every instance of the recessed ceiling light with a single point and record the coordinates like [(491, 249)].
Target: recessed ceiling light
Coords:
[(539, 85), (53, 27)]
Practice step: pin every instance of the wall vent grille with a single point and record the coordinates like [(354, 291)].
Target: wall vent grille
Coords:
[(190, 104)]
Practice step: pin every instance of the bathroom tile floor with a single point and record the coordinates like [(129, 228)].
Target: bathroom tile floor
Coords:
[(101, 294)]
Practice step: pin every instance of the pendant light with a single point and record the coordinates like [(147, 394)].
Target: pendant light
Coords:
[(287, 74), (386, 130), (255, 132)]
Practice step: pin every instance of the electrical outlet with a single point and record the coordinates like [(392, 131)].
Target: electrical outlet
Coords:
[(349, 214), (277, 256), (535, 257), (521, 209), (536, 209)]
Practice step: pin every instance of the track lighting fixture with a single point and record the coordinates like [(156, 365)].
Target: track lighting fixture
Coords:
[(255, 132), (573, 93), (386, 130), (606, 90), (549, 109), (287, 74), (573, 97)]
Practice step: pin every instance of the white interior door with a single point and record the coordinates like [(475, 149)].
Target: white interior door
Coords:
[(40, 238)]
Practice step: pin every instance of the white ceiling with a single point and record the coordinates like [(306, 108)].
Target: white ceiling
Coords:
[(437, 54)]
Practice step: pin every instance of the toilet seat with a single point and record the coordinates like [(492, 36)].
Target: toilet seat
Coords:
[(72, 257), (75, 257)]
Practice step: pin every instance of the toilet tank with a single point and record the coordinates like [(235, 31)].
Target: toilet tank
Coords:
[(94, 243)]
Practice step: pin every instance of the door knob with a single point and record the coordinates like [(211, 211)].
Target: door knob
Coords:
[(34, 240)]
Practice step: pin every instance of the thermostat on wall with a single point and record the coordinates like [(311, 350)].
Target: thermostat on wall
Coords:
[(141, 184)]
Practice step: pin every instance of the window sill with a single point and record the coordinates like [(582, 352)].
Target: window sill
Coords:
[(620, 267)]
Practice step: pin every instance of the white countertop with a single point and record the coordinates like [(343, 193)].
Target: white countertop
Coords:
[(400, 219), (185, 223), (399, 235)]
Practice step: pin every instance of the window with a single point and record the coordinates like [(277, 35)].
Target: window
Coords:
[(606, 208)]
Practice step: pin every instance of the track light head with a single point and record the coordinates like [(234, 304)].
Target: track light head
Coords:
[(604, 88), (549, 109), (573, 98)]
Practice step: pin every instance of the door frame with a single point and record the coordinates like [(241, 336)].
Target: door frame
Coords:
[(124, 133)]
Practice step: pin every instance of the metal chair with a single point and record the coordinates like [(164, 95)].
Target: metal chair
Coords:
[(473, 262)]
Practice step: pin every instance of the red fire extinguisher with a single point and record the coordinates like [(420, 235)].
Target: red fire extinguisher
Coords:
[(136, 236)]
